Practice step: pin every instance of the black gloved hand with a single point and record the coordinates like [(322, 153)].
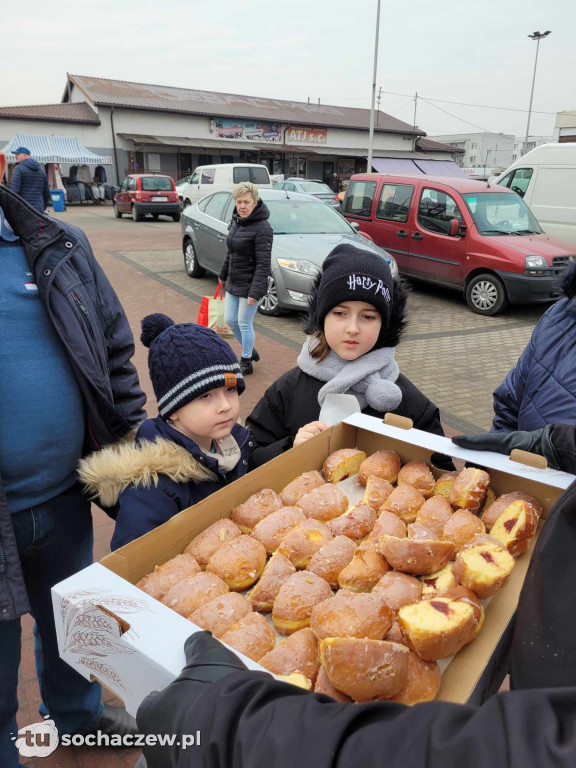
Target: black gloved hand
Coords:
[(539, 442), (167, 712)]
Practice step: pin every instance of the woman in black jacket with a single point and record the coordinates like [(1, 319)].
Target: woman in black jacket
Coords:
[(355, 319), (246, 267)]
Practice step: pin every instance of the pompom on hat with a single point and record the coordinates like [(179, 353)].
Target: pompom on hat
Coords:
[(186, 361)]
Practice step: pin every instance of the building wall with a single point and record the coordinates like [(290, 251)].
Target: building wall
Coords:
[(565, 127), (533, 142), (481, 149)]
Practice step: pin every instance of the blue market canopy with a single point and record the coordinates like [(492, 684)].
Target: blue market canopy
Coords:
[(54, 149)]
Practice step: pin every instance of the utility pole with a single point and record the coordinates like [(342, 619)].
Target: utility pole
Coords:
[(534, 36), (378, 100), (414, 123), (371, 133)]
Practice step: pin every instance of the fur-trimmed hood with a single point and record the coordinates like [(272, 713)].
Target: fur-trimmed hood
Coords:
[(158, 452), (106, 473)]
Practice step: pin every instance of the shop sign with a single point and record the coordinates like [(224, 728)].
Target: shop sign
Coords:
[(296, 134), (251, 130)]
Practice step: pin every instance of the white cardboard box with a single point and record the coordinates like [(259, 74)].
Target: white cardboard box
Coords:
[(113, 632)]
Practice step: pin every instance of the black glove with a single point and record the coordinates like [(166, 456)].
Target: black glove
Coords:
[(167, 712), (539, 441)]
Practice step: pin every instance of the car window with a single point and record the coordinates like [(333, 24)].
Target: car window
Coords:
[(505, 180), (254, 174), (436, 210), (359, 198), (195, 178), (280, 185), (215, 206), (305, 216), (500, 213), (132, 184), (124, 185), (314, 187), (208, 176), (394, 202), (289, 187), (520, 179), (229, 209), (156, 184)]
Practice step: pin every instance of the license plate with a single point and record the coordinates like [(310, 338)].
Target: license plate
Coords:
[(159, 199)]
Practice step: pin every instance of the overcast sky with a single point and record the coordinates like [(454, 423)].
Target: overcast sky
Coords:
[(473, 51)]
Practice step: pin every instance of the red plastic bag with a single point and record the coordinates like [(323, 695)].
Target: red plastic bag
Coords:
[(211, 314)]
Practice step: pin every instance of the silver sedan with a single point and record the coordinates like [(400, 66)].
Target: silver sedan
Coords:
[(305, 231)]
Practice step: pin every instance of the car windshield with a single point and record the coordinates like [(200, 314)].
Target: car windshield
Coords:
[(314, 187), (298, 217), (498, 213), (156, 183)]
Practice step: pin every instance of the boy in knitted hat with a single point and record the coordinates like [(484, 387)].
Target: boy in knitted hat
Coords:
[(356, 316), (192, 448)]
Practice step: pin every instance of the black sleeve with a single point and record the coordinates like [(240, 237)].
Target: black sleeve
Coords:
[(262, 255), (563, 439), (249, 720), (46, 191), (267, 425)]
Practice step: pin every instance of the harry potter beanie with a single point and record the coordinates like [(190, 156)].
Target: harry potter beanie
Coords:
[(354, 274), (185, 361)]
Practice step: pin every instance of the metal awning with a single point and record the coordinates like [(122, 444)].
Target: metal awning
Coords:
[(54, 149), (440, 168), (417, 165), (185, 142)]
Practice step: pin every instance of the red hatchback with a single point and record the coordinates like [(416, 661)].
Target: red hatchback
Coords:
[(460, 233), (147, 193)]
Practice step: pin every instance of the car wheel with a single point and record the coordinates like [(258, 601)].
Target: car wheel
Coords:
[(175, 217), (186, 203), (269, 302), (135, 215), (486, 295), (191, 265), (116, 211)]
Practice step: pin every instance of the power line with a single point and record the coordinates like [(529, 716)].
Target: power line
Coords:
[(484, 130)]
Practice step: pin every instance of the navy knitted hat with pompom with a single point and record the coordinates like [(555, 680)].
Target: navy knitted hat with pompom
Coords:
[(185, 361)]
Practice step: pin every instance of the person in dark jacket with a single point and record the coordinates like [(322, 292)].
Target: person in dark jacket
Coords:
[(67, 385), (541, 388), (246, 268), (355, 320), (30, 181), (248, 719), (192, 449)]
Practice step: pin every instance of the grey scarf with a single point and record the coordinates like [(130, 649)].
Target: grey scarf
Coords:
[(227, 453), (371, 378)]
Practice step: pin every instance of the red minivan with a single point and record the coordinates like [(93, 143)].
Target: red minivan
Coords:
[(462, 234), (142, 193)]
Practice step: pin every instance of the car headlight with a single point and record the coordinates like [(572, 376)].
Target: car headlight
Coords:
[(301, 266), (536, 262)]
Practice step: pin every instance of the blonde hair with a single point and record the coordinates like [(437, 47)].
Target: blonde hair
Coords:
[(245, 188)]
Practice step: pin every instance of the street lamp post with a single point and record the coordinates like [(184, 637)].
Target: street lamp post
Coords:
[(371, 134), (534, 36)]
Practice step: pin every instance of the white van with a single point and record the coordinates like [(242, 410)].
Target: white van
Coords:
[(546, 178), (213, 178)]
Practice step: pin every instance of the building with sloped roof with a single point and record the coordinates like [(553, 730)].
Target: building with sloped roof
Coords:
[(171, 130)]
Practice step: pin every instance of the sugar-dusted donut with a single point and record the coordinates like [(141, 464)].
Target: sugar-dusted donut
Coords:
[(255, 508), (203, 546), (239, 562), (300, 486), (296, 599), (166, 576)]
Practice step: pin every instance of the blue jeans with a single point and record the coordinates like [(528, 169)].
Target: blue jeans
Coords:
[(240, 317), (55, 540)]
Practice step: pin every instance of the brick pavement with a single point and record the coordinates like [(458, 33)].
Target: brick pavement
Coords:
[(456, 357)]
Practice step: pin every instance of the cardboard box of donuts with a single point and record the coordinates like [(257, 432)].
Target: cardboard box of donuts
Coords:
[(350, 566)]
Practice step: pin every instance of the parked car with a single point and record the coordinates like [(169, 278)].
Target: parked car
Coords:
[(545, 178), (210, 178), (147, 193), (305, 231), (460, 233), (311, 187)]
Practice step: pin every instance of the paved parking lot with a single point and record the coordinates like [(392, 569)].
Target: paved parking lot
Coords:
[(454, 356)]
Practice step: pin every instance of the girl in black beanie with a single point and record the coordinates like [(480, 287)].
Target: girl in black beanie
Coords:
[(355, 320)]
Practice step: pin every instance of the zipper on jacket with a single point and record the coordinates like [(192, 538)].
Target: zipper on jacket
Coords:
[(43, 248), (2, 558), (78, 302)]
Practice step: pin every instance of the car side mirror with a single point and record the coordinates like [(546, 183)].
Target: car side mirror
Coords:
[(355, 225), (454, 228)]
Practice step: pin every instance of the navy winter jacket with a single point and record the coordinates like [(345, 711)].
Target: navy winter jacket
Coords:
[(157, 476), (87, 316), (29, 181), (541, 388)]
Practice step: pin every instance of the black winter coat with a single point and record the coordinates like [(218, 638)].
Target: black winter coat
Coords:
[(292, 401), (247, 265), (89, 319), (29, 181), (248, 719)]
